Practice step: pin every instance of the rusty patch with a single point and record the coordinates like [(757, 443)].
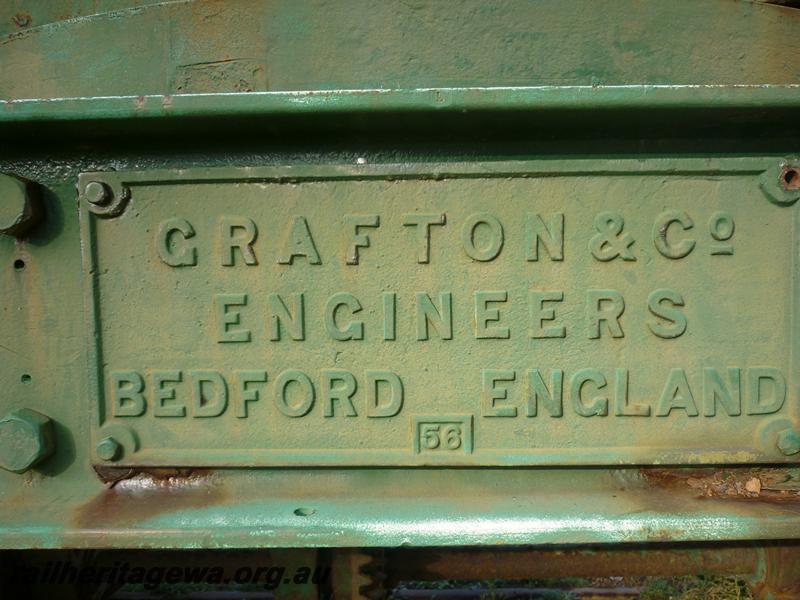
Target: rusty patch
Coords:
[(21, 20), (737, 484), (113, 475), (146, 493), (790, 178), (228, 75)]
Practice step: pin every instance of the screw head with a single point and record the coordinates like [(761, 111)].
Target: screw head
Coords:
[(97, 192), (108, 449), (789, 442), (20, 205), (26, 438)]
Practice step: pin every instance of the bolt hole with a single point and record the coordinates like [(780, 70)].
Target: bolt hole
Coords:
[(19, 264), (304, 512), (791, 178), (26, 378)]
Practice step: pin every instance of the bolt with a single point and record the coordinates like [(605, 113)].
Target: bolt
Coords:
[(20, 205), (97, 192), (26, 438), (789, 442), (108, 449)]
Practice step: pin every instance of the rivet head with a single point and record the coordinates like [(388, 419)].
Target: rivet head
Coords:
[(789, 442), (108, 449), (26, 438), (97, 193), (20, 205)]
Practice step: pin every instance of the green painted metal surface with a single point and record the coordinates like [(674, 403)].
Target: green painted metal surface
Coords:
[(380, 507), (514, 100), (189, 46), (316, 111), (550, 312)]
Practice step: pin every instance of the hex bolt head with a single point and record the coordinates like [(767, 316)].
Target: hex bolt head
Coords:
[(97, 192), (108, 449), (20, 205), (26, 438), (789, 442)]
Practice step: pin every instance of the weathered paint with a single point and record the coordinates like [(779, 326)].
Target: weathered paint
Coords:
[(368, 507), (408, 83), (518, 100), (134, 48), (665, 379)]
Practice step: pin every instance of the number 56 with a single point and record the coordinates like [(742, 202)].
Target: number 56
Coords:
[(441, 436)]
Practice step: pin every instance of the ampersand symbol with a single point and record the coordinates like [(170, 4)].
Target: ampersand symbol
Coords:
[(610, 242)]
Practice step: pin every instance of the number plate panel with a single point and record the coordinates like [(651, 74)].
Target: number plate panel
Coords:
[(581, 312)]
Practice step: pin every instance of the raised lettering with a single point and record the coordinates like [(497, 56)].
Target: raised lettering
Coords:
[(164, 394), (609, 242), (228, 319), (298, 242), (759, 380), (539, 314), (300, 406), (605, 306), (492, 394), (661, 234), (376, 380), (247, 394), (359, 240), (721, 228), (338, 386), (494, 230), (281, 318), (485, 315), (676, 395), (389, 315), (670, 322), (126, 393), (355, 329), (237, 233), (716, 391), (599, 404), (172, 252), (429, 314), (552, 399), (209, 393), (422, 224), (551, 236), (621, 404)]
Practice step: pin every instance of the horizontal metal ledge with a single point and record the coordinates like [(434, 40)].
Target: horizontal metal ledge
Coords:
[(455, 100), (388, 507)]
